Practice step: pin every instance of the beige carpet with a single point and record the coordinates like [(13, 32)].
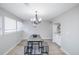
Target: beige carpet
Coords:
[(54, 49)]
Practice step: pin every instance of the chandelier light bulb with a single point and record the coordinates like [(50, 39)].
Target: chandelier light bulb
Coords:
[(40, 19)]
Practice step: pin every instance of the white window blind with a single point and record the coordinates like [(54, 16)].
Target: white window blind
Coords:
[(10, 24)]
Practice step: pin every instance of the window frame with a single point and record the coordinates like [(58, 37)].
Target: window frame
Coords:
[(5, 30)]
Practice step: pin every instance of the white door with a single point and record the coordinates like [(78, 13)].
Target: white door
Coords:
[(56, 36)]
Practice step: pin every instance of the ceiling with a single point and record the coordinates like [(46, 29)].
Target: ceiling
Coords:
[(46, 11)]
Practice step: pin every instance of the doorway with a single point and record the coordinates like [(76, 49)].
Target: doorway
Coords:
[(56, 30)]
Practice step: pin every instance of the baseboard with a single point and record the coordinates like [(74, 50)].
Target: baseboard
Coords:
[(57, 44), (64, 51), (12, 48)]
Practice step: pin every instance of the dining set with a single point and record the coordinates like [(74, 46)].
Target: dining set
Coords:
[(36, 46)]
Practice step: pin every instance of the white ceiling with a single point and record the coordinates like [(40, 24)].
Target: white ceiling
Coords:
[(46, 11)]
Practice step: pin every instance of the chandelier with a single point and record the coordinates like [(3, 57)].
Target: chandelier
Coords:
[(36, 20)]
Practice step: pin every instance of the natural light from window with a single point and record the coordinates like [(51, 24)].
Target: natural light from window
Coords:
[(10, 24)]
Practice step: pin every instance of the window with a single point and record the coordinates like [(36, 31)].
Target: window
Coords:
[(19, 26), (10, 24)]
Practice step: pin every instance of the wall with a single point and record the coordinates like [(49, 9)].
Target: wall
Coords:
[(44, 29), (69, 30), (9, 40)]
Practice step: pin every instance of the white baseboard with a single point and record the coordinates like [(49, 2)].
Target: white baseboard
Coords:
[(64, 51), (12, 47)]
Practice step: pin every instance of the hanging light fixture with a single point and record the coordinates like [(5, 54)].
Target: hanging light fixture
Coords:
[(36, 20)]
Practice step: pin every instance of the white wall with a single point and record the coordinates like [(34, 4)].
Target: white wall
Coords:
[(44, 29), (9, 40), (69, 30)]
